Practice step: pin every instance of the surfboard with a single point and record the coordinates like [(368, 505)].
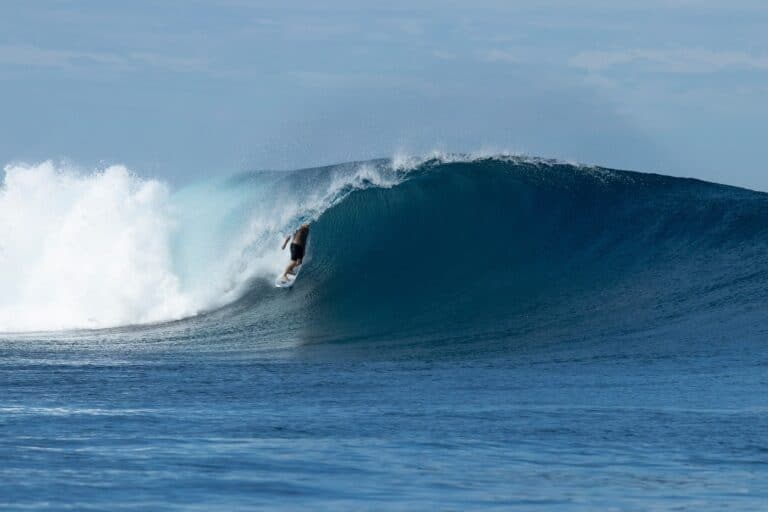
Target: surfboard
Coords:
[(281, 283)]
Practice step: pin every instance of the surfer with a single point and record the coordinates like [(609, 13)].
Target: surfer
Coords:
[(298, 245)]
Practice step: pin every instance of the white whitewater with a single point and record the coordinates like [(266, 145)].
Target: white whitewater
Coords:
[(108, 248)]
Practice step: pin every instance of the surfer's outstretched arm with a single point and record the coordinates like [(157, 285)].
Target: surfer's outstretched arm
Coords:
[(285, 243)]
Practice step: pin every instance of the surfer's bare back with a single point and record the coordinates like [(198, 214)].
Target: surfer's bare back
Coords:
[(298, 245)]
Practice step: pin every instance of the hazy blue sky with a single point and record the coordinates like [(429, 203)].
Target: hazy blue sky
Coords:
[(185, 88)]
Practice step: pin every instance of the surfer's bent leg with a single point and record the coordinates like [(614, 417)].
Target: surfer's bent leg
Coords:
[(288, 269), (297, 256)]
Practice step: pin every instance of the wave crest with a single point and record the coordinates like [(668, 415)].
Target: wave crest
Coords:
[(395, 243)]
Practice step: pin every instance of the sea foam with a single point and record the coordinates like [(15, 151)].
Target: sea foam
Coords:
[(109, 248), (85, 250)]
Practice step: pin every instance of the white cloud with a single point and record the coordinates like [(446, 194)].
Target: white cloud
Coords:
[(32, 56), (443, 55), (23, 55), (169, 63), (683, 60), (502, 56), (345, 80), (600, 81)]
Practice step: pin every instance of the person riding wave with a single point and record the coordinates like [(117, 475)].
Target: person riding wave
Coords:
[(298, 245)]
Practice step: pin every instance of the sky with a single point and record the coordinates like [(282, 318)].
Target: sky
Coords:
[(184, 89)]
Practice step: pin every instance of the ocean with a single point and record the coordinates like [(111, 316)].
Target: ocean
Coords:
[(468, 332)]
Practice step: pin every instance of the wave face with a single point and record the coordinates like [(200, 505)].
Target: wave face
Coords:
[(445, 248), (500, 249)]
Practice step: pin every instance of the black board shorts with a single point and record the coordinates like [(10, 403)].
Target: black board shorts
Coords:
[(297, 252)]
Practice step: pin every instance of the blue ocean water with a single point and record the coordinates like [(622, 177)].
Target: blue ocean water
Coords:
[(467, 333)]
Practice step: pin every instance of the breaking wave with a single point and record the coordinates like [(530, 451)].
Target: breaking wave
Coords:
[(460, 246)]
